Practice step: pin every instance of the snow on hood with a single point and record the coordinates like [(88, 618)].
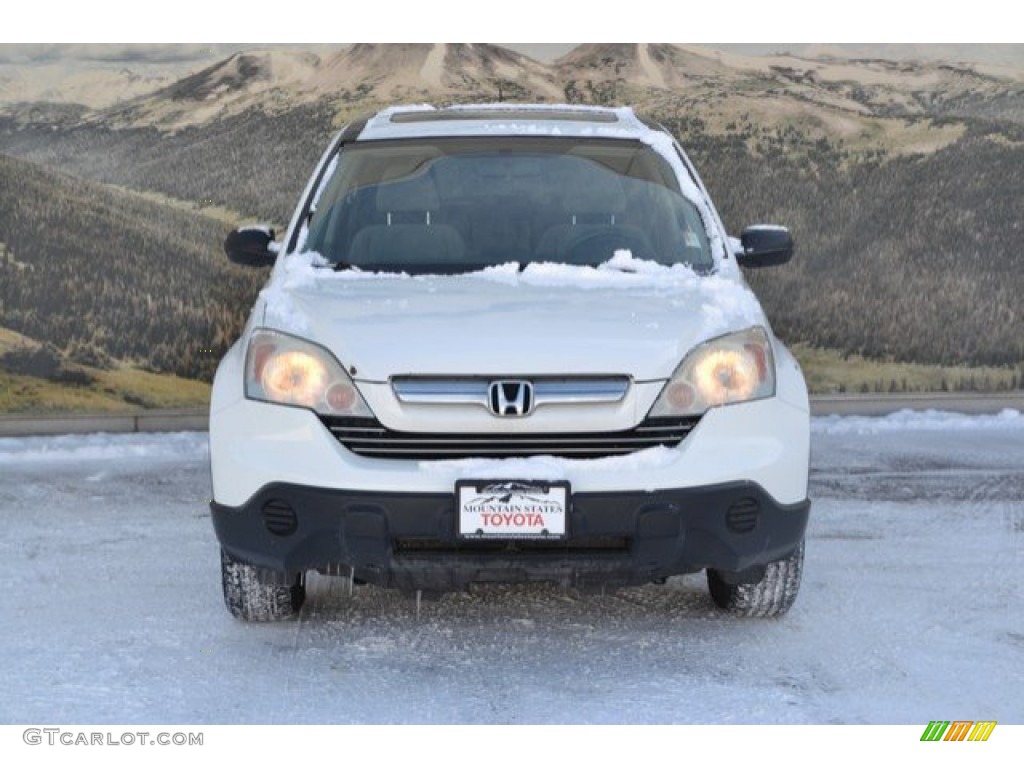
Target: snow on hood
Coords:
[(636, 316)]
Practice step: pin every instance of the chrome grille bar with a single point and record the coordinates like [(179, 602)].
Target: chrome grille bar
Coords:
[(421, 390), (369, 438)]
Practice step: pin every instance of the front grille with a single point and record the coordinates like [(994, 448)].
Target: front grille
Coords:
[(368, 437)]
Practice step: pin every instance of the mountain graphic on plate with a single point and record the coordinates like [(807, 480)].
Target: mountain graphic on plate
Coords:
[(503, 493)]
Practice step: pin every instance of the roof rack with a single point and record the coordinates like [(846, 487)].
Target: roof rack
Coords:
[(555, 113)]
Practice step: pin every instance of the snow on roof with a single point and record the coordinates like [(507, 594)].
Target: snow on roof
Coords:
[(420, 120)]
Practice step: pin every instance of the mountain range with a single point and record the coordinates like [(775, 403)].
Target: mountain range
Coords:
[(902, 179), (300, 74)]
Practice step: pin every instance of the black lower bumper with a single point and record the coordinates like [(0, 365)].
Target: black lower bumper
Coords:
[(408, 541)]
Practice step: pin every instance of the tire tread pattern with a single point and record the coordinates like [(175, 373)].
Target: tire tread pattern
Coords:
[(772, 596)]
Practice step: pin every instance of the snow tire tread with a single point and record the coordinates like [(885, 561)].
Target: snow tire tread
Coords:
[(772, 596), (248, 599)]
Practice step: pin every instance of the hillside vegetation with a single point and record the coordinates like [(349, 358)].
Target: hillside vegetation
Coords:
[(903, 185), (913, 257), (99, 273)]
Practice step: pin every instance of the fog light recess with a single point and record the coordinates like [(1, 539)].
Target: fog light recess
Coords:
[(279, 518), (743, 515)]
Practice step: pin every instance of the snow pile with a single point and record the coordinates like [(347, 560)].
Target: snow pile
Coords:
[(102, 447), (664, 145), (725, 304), (332, 166), (295, 272), (906, 419), (624, 113), (551, 467), (622, 270), (264, 228)]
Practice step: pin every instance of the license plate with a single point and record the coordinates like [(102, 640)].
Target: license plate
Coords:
[(512, 509)]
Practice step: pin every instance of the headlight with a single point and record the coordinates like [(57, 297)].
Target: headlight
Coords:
[(290, 371), (732, 369)]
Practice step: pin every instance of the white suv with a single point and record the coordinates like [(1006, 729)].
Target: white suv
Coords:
[(508, 343)]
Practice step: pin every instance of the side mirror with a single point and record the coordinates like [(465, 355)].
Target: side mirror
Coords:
[(251, 246), (765, 245)]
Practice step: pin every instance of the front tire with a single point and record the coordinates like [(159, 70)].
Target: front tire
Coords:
[(248, 599), (773, 595)]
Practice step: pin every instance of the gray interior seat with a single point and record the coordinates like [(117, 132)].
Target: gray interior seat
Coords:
[(412, 233), (595, 203)]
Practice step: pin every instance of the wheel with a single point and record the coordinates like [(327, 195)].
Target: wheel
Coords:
[(773, 595), (250, 600)]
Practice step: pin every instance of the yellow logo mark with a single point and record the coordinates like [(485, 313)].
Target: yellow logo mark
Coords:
[(982, 730), (958, 730)]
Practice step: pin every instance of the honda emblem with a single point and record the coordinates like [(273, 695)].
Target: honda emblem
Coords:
[(510, 398)]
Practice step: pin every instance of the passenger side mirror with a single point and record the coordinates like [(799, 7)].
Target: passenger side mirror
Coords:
[(251, 246), (765, 245)]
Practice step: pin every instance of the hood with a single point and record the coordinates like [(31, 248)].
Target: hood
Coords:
[(546, 320)]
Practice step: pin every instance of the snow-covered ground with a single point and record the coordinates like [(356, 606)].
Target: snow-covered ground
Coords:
[(912, 607)]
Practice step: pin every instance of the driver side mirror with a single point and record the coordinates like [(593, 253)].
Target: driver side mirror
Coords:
[(765, 245), (251, 246)]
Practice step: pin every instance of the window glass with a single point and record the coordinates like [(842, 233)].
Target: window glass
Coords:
[(461, 204)]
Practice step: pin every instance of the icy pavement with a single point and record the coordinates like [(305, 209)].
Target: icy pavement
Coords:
[(912, 606)]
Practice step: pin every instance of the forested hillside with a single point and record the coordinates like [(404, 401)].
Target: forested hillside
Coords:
[(251, 162), (915, 257), (96, 272)]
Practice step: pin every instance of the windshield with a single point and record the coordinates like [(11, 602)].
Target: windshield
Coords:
[(461, 204)]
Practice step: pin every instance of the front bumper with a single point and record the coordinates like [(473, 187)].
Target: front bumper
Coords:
[(632, 518), (408, 540), (253, 444)]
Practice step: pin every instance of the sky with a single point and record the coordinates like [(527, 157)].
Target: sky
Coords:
[(739, 21)]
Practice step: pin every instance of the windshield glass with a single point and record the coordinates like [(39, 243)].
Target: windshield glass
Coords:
[(462, 204)]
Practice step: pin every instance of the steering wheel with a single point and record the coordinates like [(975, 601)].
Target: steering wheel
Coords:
[(599, 245)]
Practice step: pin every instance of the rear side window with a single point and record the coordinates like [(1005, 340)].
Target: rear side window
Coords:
[(461, 204)]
